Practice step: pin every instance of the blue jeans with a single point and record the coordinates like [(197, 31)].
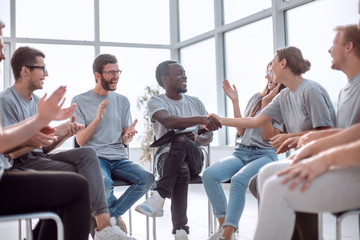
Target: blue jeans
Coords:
[(141, 179), (240, 166)]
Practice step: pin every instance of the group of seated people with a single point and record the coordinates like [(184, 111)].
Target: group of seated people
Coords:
[(77, 184)]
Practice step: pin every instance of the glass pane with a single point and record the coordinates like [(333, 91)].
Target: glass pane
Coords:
[(137, 73), (65, 19), (5, 16), (67, 65), (138, 21), (246, 60), (235, 9), (314, 36), (196, 17), (198, 61)]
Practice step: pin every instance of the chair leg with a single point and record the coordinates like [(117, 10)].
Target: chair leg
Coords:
[(359, 223), (147, 221), (320, 226), (19, 229), (154, 228), (338, 228), (29, 235), (130, 222), (210, 217)]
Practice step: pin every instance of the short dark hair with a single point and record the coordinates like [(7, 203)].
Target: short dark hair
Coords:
[(163, 70), (101, 60), (24, 56)]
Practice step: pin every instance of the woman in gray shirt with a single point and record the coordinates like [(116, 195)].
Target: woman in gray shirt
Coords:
[(252, 151)]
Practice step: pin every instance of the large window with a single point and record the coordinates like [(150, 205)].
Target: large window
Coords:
[(314, 35), (135, 21), (212, 39), (248, 51), (196, 17), (65, 19), (235, 9), (198, 61), (5, 16)]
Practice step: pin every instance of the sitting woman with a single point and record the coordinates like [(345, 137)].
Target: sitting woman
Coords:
[(251, 153), (323, 176)]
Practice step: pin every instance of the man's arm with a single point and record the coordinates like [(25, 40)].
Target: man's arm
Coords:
[(177, 122), (83, 136), (286, 141), (63, 132), (48, 109)]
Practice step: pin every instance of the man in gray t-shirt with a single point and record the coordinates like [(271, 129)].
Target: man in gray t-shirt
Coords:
[(108, 130), (18, 103), (182, 157), (346, 58)]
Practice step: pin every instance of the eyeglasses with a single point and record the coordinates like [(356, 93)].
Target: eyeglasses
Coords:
[(113, 72), (43, 68), (269, 73)]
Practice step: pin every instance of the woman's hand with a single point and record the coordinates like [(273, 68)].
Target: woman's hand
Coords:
[(231, 92)]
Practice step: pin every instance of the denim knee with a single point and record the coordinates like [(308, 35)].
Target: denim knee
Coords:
[(147, 179)]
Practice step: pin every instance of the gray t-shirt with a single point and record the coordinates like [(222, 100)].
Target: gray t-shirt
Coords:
[(253, 136), (187, 106), (14, 109), (348, 112), (106, 140), (307, 107)]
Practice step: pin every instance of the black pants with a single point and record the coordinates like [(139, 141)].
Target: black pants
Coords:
[(64, 193), (185, 159)]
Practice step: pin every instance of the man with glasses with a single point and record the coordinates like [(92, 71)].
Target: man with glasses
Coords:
[(18, 103), (109, 129)]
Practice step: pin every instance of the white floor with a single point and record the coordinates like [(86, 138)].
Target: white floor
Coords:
[(198, 221)]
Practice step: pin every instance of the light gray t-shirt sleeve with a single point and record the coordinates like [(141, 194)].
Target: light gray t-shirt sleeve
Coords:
[(273, 110)]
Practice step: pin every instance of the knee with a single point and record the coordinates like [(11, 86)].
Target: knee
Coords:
[(87, 153), (269, 170), (148, 179), (179, 141), (209, 176), (241, 181), (184, 171)]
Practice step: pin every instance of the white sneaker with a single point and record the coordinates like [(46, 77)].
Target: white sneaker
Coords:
[(111, 233), (217, 234), (118, 222), (153, 206), (181, 235)]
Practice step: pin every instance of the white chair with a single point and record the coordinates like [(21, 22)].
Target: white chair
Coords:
[(40, 215)]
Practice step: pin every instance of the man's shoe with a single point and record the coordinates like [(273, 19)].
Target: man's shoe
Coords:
[(217, 234), (119, 222), (153, 206), (112, 233), (181, 235)]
